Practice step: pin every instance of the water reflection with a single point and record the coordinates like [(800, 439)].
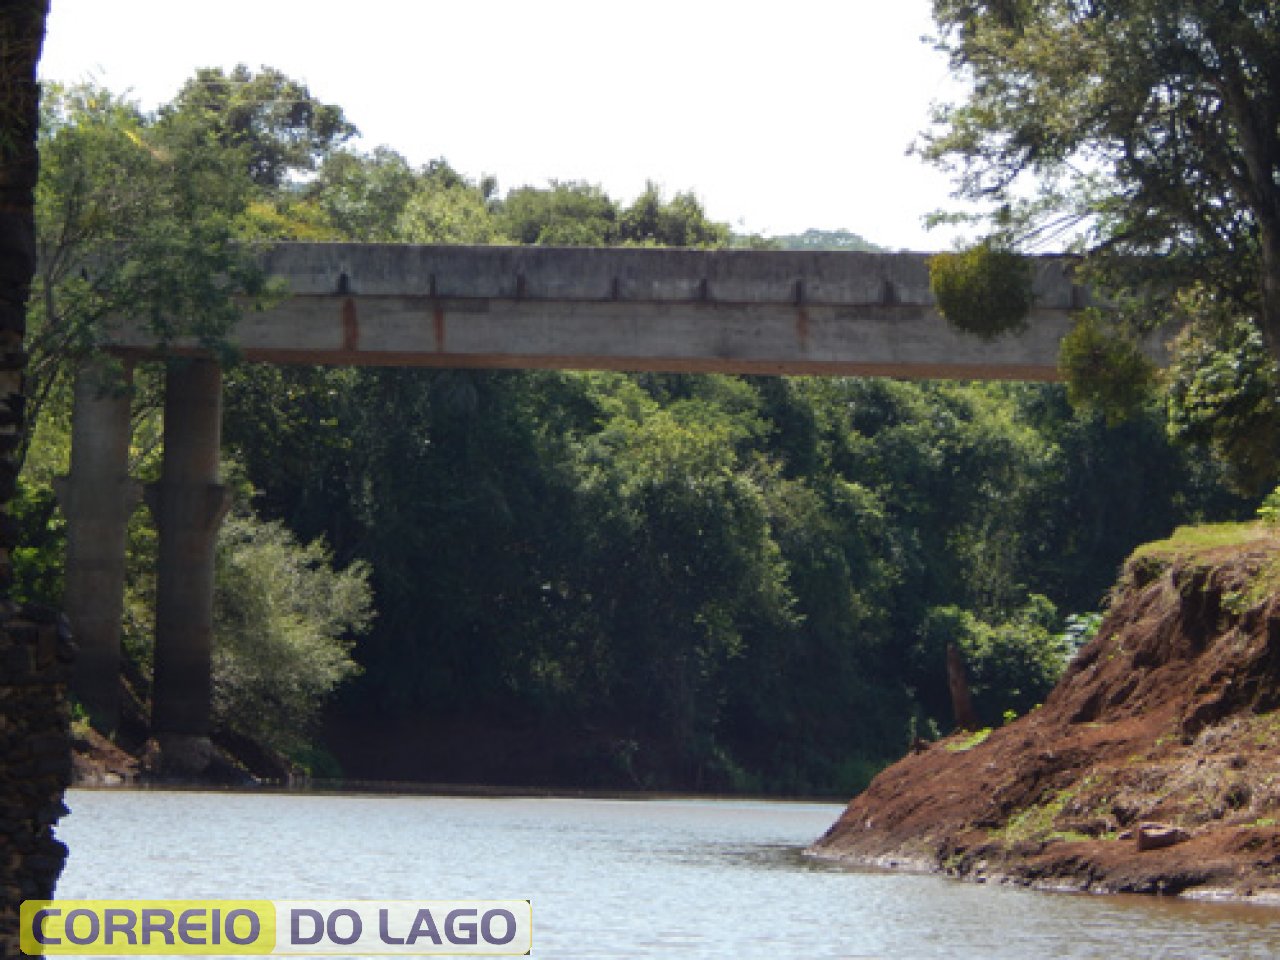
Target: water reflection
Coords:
[(670, 878)]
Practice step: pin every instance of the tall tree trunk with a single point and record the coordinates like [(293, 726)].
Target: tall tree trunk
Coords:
[(961, 697), (35, 764), (1269, 238), (22, 25)]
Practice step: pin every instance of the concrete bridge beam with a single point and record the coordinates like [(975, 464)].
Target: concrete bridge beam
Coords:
[(188, 504), (689, 311), (98, 498)]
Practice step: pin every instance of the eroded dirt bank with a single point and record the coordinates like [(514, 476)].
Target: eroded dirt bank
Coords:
[(1164, 730)]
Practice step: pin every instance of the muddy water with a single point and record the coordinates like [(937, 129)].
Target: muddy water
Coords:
[(661, 878)]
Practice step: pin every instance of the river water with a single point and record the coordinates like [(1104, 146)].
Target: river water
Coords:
[(615, 878)]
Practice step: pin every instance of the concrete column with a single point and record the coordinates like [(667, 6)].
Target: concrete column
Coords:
[(98, 498), (188, 503)]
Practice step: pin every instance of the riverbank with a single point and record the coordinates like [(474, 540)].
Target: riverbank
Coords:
[(1153, 766), (100, 764)]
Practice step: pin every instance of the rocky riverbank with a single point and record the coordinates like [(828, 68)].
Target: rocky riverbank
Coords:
[(131, 761), (1153, 767)]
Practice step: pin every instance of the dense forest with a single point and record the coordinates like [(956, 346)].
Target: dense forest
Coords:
[(591, 579)]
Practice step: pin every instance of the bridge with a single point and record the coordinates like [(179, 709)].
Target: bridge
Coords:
[(723, 311)]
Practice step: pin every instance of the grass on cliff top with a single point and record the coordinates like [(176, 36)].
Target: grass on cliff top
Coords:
[(1189, 541), (1216, 543)]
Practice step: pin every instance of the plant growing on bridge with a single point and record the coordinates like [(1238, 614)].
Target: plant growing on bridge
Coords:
[(1105, 368), (985, 290)]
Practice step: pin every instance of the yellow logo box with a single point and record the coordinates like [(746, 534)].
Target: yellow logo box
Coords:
[(117, 928)]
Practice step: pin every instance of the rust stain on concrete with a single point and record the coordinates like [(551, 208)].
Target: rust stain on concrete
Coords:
[(802, 326), (437, 322), (350, 325)]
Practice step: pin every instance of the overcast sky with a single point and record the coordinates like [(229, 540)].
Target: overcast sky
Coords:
[(779, 116)]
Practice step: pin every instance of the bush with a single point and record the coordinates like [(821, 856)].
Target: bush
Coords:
[(1105, 368), (985, 290), (284, 620), (1013, 664), (1269, 511)]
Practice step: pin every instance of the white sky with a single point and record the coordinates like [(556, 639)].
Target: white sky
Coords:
[(779, 116)]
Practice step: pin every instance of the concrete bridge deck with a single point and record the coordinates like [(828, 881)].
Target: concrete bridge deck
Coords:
[(726, 311)]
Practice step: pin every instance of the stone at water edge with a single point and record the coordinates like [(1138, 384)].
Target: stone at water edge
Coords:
[(1156, 836)]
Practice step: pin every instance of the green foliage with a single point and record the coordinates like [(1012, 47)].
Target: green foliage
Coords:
[(80, 725), (814, 239), (1186, 541), (1224, 391), (968, 742), (566, 214), (653, 220), (1012, 663), (38, 561), (317, 762), (1269, 511), (712, 582), (572, 214), (447, 210), (284, 622), (363, 197), (1037, 823), (985, 290), (144, 216), (1105, 368), (273, 120), (136, 217), (1106, 488), (1126, 119), (740, 579), (1130, 130)]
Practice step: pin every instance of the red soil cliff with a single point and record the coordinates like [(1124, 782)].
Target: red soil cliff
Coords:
[(1153, 766)]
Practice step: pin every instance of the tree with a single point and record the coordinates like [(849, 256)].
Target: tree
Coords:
[(151, 216), (446, 207), (814, 239), (679, 222), (1151, 127), (363, 196), (35, 857), (283, 626), (572, 214), (1012, 665), (138, 218), (1224, 392), (284, 130)]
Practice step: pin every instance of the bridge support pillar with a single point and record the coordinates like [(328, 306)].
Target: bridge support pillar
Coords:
[(188, 504), (97, 498)]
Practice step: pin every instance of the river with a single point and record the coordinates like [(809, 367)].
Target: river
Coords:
[(615, 878)]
